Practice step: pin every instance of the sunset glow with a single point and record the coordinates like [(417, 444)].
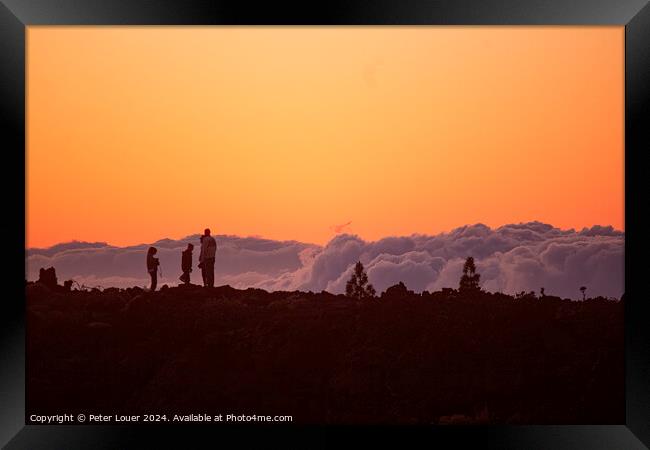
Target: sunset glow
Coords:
[(136, 134)]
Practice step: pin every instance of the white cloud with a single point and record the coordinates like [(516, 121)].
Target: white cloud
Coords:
[(510, 259)]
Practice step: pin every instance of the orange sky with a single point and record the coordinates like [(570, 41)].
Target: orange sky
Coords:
[(136, 133)]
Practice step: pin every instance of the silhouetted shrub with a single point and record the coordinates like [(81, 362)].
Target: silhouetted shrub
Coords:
[(523, 295), (397, 291), (48, 277)]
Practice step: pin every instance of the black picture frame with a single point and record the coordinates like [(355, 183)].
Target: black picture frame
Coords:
[(16, 15)]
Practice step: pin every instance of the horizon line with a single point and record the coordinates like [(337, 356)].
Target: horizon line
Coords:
[(261, 237)]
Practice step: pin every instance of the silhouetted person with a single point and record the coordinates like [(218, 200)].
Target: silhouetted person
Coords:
[(206, 258), (186, 264), (200, 265), (152, 267)]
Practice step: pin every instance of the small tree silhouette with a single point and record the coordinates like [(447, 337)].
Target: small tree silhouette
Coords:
[(470, 279), (583, 289), (358, 286)]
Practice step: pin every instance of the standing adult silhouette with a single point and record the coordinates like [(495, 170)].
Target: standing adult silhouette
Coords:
[(186, 263), (200, 265), (152, 267), (206, 258)]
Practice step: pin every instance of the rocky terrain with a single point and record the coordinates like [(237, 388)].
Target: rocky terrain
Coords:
[(441, 358)]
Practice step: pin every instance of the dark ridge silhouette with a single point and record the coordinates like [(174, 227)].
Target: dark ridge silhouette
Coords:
[(446, 357)]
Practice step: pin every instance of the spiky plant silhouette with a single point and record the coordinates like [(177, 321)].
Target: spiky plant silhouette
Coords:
[(470, 278), (357, 286)]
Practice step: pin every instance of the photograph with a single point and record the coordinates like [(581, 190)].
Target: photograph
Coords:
[(325, 225)]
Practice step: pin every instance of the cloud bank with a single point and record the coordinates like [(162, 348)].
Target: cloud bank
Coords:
[(510, 259)]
